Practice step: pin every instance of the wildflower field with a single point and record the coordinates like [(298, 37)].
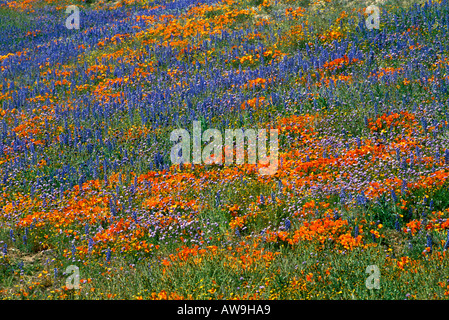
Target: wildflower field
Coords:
[(88, 188)]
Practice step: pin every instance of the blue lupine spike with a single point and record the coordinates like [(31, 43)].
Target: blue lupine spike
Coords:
[(342, 197), (237, 233), (361, 199), (429, 242), (90, 245), (424, 124), (404, 164), (404, 186), (287, 224), (108, 255), (356, 231), (262, 200), (393, 196), (336, 215)]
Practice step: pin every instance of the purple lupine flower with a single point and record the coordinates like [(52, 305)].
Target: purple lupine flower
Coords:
[(237, 233), (108, 255), (404, 186), (90, 245), (361, 199), (5, 249), (288, 224), (429, 242), (404, 164), (424, 124), (393, 196), (342, 196), (336, 215), (397, 226), (280, 185)]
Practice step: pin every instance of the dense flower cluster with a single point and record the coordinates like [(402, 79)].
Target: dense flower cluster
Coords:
[(86, 117)]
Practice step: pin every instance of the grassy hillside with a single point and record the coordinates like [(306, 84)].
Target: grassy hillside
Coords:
[(86, 177)]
